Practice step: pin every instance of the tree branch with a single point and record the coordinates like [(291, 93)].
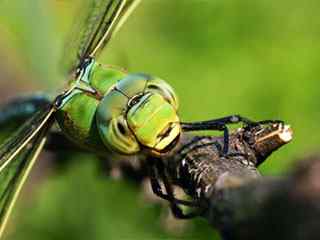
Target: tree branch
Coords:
[(279, 208), (240, 203)]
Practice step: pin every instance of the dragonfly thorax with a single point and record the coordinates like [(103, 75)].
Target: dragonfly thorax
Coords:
[(133, 112), (139, 112)]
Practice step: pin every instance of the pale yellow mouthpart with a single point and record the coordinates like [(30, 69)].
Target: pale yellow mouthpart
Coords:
[(164, 142)]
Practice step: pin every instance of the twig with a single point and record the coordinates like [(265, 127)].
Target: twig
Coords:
[(241, 203)]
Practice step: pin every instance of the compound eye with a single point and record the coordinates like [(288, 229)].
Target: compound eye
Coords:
[(159, 86)]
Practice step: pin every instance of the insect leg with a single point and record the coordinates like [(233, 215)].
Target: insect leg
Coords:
[(215, 124), (156, 188), (174, 203), (219, 124)]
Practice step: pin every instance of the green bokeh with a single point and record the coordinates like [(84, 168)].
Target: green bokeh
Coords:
[(257, 58)]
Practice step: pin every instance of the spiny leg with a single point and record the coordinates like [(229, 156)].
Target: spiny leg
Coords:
[(215, 124), (156, 188), (176, 209), (174, 203), (269, 122), (220, 124)]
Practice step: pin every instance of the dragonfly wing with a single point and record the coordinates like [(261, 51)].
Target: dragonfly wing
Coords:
[(10, 148), (17, 156), (101, 20), (110, 25)]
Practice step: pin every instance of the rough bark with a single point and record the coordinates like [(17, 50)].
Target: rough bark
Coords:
[(241, 203)]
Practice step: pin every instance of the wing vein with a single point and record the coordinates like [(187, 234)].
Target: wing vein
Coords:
[(22, 169), (94, 29), (10, 149), (109, 27), (13, 195)]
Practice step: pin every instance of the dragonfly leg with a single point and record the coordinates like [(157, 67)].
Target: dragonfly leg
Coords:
[(219, 124), (169, 196), (216, 124), (270, 122), (156, 188)]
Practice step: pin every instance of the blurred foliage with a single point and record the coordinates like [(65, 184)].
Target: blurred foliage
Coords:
[(256, 58)]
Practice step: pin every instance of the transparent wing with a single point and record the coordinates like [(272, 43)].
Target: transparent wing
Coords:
[(100, 21), (17, 156), (10, 148)]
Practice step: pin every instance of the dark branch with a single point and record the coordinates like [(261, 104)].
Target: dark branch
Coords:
[(200, 167), (280, 208), (241, 203)]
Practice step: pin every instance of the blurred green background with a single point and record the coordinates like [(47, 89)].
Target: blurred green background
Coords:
[(256, 58)]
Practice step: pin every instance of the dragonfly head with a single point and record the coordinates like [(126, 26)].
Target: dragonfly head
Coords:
[(140, 112)]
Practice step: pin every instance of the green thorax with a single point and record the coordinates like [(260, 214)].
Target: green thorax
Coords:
[(77, 116)]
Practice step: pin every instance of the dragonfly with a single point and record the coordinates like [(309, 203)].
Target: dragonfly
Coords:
[(103, 109)]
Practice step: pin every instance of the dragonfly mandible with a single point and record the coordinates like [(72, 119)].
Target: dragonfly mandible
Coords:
[(103, 109)]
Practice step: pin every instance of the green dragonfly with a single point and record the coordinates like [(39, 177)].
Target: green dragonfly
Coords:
[(104, 110)]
